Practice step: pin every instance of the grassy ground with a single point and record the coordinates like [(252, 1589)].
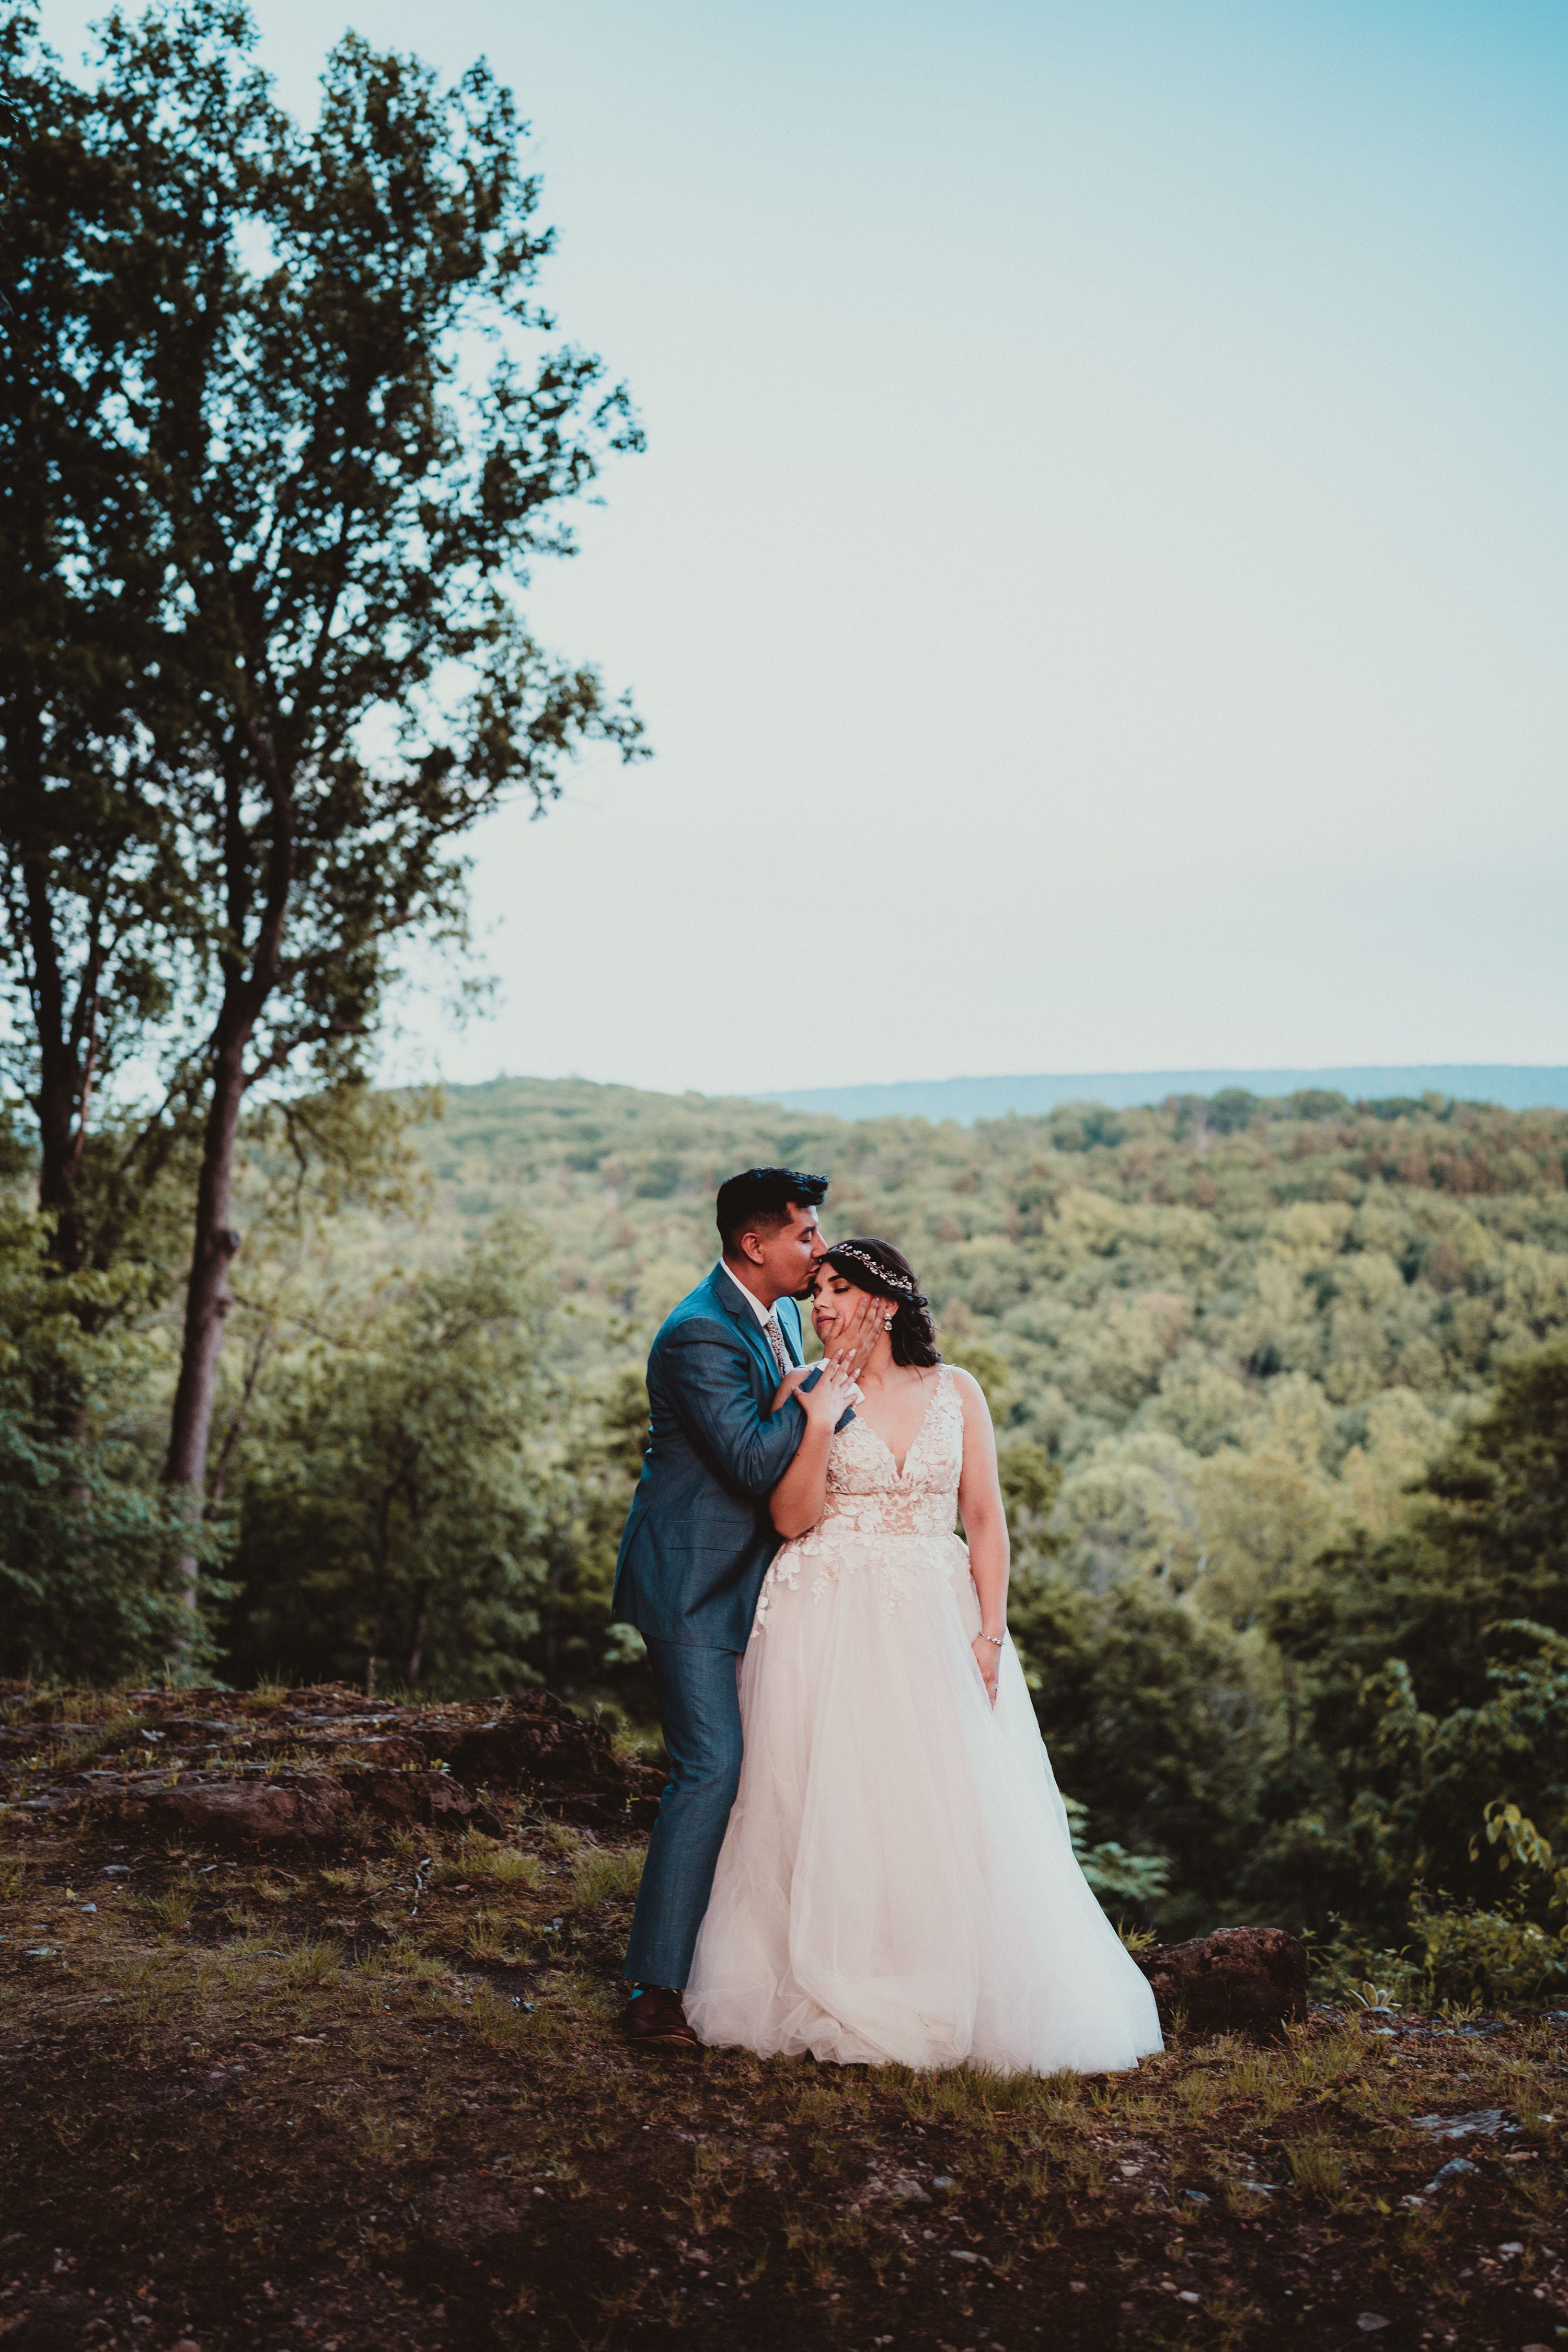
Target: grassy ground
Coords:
[(379, 2099)]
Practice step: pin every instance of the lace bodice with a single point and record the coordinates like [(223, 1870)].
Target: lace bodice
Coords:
[(871, 1497), (893, 1525)]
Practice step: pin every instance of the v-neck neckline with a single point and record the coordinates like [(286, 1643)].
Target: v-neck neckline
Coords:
[(899, 1467)]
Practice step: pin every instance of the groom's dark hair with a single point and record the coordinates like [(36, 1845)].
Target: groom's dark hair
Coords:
[(759, 1200)]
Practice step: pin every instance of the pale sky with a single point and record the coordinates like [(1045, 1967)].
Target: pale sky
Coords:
[(1097, 583)]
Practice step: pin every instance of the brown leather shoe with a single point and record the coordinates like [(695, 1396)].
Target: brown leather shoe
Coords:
[(655, 2021)]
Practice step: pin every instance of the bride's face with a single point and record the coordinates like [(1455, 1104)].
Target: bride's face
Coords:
[(833, 1295)]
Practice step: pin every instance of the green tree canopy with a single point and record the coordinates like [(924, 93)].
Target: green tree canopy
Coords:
[(1431, 1674), (287, 431), (393, 1507), (1150, 1718), (87, 1588)]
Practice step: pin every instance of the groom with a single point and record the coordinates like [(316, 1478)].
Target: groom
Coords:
[(697, 1543)]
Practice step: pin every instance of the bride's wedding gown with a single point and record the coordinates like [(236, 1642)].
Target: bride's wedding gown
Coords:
[(897, 1880)]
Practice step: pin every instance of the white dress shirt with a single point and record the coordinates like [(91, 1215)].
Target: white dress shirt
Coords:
[(767, 1316), (752, 1301)]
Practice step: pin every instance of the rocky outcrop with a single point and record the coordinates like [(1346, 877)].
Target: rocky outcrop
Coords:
[(296, 1771), (313, 1809), (1238, 1980), (436, 1798), (537, 1745), (235, 1813)]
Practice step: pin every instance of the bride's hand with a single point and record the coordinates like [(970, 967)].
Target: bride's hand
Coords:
[(827, 1401), (858, 1333), (988, 1658)]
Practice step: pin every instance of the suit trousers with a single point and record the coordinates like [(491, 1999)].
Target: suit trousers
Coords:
[(699, 1707)]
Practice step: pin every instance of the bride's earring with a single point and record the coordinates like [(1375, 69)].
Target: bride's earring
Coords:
[(887, 1322)]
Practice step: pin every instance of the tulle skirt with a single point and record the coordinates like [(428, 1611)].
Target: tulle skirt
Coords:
[(898, 1881)]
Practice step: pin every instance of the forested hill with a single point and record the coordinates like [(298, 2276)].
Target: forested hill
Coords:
[(1157, 1296), (1224, 1340), (1513, 1086)]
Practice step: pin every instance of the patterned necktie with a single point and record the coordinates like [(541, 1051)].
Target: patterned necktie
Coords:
[(775, 1340)]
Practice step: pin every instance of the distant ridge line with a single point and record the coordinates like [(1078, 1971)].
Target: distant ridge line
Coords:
[(1512, 1086)]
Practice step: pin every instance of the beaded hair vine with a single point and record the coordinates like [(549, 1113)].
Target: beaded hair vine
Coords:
[(897, 1283)]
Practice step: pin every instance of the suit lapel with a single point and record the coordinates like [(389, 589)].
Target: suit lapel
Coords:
[(727, 1294)]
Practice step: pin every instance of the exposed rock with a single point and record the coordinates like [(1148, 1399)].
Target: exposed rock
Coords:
[(1239, 1980), (434, 1764), (255, 1813), (538, 1744), (435, 1798), (314, 1810), (37, 1739), (394, 1754), (192, 1730), (1485, 2122)]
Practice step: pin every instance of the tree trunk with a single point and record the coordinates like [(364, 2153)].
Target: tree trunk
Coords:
[(60, 1151), (64, 1068), (235, 1429), (383, 1579), (417, 1636), (215, 1243), (1291, 1688), (206, 1299)]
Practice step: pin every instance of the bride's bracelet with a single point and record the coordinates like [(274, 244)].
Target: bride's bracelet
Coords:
[(997, 1641)]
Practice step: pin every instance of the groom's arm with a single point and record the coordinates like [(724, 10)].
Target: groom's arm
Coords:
[(707, 1379)]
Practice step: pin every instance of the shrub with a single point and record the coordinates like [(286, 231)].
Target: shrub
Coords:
[(1498, 1956), (1459, 1954), (1116, 1875)]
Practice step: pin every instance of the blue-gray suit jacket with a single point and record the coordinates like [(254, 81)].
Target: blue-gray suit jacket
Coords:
[(699, 1537)]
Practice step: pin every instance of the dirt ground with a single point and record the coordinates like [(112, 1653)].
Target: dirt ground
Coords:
[(365, 2089)]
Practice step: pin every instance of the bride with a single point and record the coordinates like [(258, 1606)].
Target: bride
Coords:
[(897, 1881)]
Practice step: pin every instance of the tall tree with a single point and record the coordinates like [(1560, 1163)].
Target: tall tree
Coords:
[(88, 871), (345, 440)]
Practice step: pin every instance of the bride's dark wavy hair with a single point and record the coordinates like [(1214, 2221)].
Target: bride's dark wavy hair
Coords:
[(878, 1268)]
